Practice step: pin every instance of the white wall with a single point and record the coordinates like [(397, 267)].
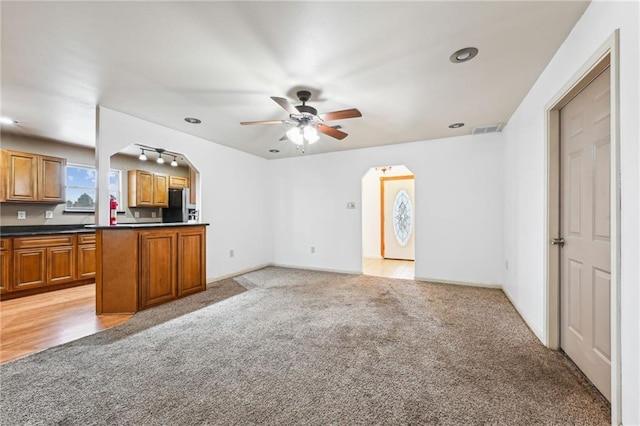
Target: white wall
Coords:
[(370, 206), (525, 190), (458, 204), (234, 189)]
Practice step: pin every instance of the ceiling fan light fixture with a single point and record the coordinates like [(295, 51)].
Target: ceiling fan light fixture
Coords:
[(311, 134), (295, 135)]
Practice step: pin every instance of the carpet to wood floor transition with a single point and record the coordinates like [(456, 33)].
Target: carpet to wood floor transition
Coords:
[(307, 348)]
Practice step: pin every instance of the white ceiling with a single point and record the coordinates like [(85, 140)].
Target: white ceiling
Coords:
[(221, 61)]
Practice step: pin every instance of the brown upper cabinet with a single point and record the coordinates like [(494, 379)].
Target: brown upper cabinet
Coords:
[(178, 182), (32, 178), (147, 189)]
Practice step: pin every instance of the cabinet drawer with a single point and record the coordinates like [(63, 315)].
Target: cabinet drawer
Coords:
[(5, 244), (43, 241), (86, 238)]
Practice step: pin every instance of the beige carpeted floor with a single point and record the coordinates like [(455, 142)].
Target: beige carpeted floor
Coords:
[(313, 348)]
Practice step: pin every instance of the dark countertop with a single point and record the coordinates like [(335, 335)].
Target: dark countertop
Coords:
[(25, 231), (144, 225)]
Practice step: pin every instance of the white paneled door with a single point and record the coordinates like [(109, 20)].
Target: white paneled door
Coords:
[(585, 268), (398, 218)]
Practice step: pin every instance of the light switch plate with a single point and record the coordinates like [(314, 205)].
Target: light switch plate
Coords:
[(22, 214), (48, 214), (136, 214), (153, 214)]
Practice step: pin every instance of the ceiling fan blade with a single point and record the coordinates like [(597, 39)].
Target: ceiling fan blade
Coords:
[(339, 115), (286, 105), (245, 123), (330, 131)]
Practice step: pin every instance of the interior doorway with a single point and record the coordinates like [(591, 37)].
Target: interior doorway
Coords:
[(388, 222)]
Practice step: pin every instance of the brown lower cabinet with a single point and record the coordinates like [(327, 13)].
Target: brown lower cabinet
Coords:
[(143, 267), (43, 263), (5, 264)]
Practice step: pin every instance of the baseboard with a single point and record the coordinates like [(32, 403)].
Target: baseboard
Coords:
[(310, 268), (235, 274), (525, 318), (466, 283)]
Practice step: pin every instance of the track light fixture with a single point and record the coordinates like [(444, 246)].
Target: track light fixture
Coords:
[(160, 160), (161, 153)]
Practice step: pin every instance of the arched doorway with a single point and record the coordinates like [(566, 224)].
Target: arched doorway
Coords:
[(388, 222)]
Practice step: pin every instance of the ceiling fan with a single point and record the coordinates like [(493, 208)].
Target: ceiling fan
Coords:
[(306, 120)]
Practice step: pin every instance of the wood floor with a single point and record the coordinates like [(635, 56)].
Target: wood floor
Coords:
[(34, 323), (389, 268)]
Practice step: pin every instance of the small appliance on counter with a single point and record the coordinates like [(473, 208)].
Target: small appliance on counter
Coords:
[(193, 215), (179, 209)]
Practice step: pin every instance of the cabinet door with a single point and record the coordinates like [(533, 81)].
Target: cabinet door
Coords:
[(21, 172), (179, 182), (191, 262), (60, 265), (160, 190), (5, 271), (86, 261), (51, 179), (157, 268), (140, 188), (29, 268)]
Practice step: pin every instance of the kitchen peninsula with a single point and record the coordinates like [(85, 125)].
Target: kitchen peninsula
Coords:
[(144, 265)]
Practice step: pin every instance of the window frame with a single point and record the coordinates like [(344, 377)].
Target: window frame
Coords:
[(68, 209)]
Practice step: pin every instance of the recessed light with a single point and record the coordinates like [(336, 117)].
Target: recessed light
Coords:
[(463, 55), (456, 125), (7, 120), (274, 151), (192, 120)]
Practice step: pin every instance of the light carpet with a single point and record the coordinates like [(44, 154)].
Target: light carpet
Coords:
[(307, 348)]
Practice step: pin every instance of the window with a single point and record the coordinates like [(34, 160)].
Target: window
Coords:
[(402, 217), (81, 187)]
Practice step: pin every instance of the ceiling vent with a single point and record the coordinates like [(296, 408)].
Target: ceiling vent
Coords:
[(489, 128)]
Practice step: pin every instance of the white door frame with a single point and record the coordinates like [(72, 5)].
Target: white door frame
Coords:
[(606, 55)]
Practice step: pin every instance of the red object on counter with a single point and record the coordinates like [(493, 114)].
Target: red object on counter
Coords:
[(113, 206)]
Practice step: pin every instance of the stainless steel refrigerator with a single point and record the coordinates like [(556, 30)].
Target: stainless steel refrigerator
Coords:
[(179, 207)]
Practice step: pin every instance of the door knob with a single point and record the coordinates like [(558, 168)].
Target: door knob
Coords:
[(557, 242)]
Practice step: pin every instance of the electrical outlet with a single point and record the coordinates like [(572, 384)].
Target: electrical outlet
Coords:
[(351, 205), (48, 214), (136, 214), (231, 253), (22, 214), (313, 250), (153, 214)]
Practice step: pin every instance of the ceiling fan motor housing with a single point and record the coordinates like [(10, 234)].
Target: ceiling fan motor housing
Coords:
[(307, 109), (304, 96)]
